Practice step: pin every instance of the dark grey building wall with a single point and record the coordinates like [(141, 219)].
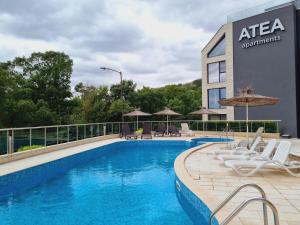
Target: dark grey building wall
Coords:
[(269, 68)]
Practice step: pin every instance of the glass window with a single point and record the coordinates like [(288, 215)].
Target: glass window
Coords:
[(216, 72), (213, 73), (214, 95), (218, 49), (222, 93)]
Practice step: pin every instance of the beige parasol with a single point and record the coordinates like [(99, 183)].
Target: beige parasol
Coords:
[(203, 111), (248, 98), (167, 112), (137, 112)]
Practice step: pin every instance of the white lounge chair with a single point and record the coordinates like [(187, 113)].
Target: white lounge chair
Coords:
[(242, 144), (185, 130), (250, 154), (279, 161), (239, 150)]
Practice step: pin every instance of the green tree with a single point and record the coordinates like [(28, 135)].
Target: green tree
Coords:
[(48, 76), (128, 87), (117, 107), (150, 100), (95, 103)]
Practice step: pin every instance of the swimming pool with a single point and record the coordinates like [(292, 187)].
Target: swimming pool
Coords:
[(202, 140), (129, 182)]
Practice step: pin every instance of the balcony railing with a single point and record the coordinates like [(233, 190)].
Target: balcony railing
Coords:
[(12, 139)]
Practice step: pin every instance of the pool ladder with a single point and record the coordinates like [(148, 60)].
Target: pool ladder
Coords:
[(236, 211)]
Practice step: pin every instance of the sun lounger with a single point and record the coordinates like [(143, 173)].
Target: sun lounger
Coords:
[(173, 131), (146, 131), (127, 133), (243, 143), (160, 131), (185, 130), (251, 155), (279, 161), (239, 150)]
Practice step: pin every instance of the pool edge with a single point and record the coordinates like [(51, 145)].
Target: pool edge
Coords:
[(184, 177)]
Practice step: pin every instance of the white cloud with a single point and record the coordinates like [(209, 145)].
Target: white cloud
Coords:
[(152, 42)]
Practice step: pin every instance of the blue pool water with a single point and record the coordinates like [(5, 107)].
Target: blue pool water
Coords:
[(125, 183), (202, 140)]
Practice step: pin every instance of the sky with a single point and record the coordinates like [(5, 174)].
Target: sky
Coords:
[(153, 42)]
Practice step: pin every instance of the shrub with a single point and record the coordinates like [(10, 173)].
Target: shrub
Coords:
[(139, 131), (25, 148)]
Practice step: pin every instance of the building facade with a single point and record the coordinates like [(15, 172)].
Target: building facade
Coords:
[(260, 51)]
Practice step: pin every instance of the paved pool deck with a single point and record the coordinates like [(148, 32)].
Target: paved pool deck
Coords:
[(212, 182)]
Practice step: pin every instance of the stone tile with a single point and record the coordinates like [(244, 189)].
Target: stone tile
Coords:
[(281, 189)]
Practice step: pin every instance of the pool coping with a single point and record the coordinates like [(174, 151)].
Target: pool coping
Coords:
[(184, 176), (45, 157)]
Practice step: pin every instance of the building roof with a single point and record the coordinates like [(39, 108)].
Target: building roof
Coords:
[(269, 6)]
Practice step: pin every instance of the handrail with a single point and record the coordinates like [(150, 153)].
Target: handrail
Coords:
[(150, 121), (234, 193), (245, 203)]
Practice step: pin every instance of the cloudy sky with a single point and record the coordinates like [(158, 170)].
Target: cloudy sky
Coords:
[(154, 42)]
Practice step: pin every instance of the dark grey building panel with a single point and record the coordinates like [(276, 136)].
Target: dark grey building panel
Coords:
[(270, 68)]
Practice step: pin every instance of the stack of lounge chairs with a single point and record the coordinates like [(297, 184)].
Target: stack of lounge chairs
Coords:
[(185, 130)]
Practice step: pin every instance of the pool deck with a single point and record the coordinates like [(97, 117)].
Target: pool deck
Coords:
[(212, 182)]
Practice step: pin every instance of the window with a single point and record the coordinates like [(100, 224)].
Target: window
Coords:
[(218, 49), (216, 72), (217, 117), (214, 95)]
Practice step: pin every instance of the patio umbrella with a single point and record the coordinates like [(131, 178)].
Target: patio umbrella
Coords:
[(203, 111), (137, 112), (167, 112), (248, 98)]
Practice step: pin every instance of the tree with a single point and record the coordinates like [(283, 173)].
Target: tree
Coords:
[(150, 100), (128, 87), (117, 107), (48, 76), (95, 104)]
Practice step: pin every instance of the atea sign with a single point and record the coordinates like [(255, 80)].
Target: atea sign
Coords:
[(261, 29)]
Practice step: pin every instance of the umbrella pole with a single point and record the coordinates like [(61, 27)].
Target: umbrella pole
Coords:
[(202, 125), (247, 111), (167, 124), (137, 122)]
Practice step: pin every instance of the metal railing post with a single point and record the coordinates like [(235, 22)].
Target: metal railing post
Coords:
[(12, 149), (7, 142), (30, 137), (57, 135), (68, 136), (84, 132), (104, 129), (45, 136), (77, 133)]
